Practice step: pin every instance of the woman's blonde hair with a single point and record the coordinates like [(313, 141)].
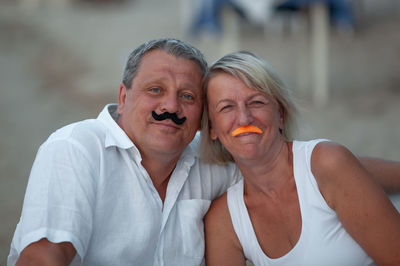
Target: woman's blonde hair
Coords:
[(257, 74)]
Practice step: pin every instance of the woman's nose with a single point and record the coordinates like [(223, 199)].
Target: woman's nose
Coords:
[(244, 116)]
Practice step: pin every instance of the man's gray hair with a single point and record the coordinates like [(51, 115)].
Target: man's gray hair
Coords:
[(171, 46)]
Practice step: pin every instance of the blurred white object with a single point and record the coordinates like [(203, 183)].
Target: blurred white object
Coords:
[(320, 52), (256, 11)]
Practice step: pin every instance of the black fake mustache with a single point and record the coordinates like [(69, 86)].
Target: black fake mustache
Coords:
[(173, 116)]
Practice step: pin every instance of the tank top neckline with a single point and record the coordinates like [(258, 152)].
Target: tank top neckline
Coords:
[(252, 233)]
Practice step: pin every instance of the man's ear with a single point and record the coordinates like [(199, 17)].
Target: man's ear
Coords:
[(121, 97)]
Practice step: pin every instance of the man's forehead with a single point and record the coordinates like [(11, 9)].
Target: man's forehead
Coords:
[(160, 60), (165, 54)]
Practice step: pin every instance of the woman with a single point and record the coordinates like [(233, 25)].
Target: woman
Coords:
[(299, 202)]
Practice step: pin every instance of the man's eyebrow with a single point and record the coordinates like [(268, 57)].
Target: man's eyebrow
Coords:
[(191, 86), (152, 79), (187, 85)]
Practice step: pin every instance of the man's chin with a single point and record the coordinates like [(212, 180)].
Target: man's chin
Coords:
[(166, 128), (169, 145)]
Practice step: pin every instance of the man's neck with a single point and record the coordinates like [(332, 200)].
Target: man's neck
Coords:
[(160, 169)]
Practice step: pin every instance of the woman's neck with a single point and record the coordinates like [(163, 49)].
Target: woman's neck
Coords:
[(269, 173)]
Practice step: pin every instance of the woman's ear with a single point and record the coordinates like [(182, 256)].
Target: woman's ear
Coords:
[(281, 119), (213, 135)]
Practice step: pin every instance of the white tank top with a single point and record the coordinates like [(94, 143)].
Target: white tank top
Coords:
[(323, 240)]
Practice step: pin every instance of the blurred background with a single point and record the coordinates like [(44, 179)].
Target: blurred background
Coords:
[(61, 61)]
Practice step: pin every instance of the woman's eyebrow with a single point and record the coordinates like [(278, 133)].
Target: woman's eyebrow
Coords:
[(223, 101)]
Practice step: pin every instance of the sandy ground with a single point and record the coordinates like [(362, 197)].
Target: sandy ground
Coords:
[(60, 64)]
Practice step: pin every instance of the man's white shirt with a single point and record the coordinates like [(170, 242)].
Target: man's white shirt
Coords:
[(88, 186)]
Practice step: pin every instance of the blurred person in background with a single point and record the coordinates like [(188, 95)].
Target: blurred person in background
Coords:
[(208, 14), (128, 188), (207, 17), (299, 202), (340, 11)]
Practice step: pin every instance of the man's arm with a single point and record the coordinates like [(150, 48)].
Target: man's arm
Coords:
[(385, 172), (45, 253)]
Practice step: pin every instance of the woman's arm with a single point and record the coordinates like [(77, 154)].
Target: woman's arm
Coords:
[(362, 206), (385, 172), (222, 245)]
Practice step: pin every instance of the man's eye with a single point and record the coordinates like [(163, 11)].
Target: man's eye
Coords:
[(188, 96), (155, 90)]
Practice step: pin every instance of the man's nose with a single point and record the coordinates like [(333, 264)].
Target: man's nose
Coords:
[(170, 103)]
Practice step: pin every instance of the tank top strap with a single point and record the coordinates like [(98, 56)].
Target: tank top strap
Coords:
[(241, 220), (307, 187)]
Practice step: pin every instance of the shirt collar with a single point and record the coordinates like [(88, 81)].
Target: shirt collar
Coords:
[(116, 136)]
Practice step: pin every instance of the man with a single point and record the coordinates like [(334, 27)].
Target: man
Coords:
[(126, 188)]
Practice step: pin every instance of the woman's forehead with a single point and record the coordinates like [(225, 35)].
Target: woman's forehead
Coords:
[(226, 83)]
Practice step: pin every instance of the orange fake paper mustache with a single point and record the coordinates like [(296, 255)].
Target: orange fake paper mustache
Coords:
[(246, 129)]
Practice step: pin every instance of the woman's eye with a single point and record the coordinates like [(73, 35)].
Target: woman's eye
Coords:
[(256, 103), (225, 108)]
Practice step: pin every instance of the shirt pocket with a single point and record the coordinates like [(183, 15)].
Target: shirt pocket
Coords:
[(191, 214)]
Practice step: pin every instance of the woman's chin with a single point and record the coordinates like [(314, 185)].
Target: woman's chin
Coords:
[(247, 154)]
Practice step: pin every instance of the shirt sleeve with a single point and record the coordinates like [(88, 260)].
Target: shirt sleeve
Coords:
[(60, 198)]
